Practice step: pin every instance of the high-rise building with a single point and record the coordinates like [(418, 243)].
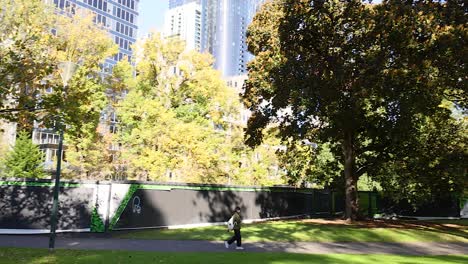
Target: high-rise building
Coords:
[(120, 18), (185, 22), (176, 3), (223, 29), (226, 23)]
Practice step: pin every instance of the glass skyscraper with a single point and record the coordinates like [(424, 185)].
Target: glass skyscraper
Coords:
[(224, 29), (118, 16), (177, 3)]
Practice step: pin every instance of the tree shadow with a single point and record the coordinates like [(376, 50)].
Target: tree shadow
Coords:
[(145, 209), (282, 204), (442, 207), (29, 207), (218, 206), (322, 203)]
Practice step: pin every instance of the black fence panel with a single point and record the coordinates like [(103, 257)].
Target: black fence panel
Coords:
[(29, 207), (447, 207), (154, 208)]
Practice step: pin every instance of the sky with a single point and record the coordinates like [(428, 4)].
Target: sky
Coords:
[(151, 15)]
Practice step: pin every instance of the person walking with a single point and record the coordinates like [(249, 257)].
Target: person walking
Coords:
[(236, 226)]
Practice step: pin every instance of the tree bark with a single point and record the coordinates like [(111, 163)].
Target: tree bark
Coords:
[(349, 154)]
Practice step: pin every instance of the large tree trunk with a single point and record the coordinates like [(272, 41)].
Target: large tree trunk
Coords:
[(350, 177)]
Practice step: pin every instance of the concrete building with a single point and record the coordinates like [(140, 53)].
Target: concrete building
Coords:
[(237, 84), (7, 135), (185, 22)]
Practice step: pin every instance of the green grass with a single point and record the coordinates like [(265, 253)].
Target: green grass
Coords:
[(42, 256), (461, 222), (300, 231)]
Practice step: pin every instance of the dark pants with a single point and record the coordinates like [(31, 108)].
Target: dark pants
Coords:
[(236, 237)]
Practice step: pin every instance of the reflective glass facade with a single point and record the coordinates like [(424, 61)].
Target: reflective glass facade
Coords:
[(119, 17), (224, 29), (176, 3)]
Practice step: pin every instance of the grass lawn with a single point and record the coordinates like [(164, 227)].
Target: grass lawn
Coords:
[(42, 256), (318, 231), (461, 222)]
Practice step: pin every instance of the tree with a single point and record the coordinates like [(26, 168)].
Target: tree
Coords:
[(25, 160), (362, 77), (169, 120), (25, 58), (34, 41), (80, 41), (176, 121), (430, 166), (80, 103), (307, 162)]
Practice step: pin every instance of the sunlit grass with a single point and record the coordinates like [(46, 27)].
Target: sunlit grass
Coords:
[(461, 222), (302, 231), (42, 256)]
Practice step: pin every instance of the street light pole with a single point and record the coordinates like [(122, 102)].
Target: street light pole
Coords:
[(53, 217), (67, 69)]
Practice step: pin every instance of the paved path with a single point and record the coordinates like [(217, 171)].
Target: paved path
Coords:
[(40, 241)]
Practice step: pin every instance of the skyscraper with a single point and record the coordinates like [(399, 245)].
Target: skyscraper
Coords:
[(184, 21), (176, 3), (224, 29), (118, 16)]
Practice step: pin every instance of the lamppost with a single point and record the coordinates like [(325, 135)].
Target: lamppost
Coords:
[(67, 69)]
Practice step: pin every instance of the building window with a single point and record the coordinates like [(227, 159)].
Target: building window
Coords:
[(47, 138), (113, 129)]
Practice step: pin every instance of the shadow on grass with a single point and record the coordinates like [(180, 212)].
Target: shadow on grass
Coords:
[(39, 256), (291, 231), (430, 229)]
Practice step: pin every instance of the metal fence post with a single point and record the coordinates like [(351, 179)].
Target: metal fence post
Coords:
[(109, 198)]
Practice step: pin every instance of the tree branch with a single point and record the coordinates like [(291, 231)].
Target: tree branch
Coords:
[(12, 110)]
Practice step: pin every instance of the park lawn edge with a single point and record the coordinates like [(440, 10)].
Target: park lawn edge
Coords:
[(295, 232), (39, 256)]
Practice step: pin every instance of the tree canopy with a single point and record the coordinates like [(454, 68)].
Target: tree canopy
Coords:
[(25, 160), (34, 41), (176, 121), (368, 79)]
